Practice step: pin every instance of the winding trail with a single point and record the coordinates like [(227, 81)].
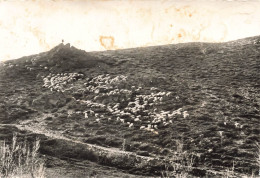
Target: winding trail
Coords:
[(114, 151)]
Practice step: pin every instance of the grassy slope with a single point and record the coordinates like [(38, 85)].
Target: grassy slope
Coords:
[(218, 84)]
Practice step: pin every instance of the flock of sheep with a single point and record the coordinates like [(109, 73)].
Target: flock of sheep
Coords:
[(9, 65), (140, 109), (29, 65), (57, 82)]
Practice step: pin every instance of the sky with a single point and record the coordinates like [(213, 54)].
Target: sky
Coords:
[(32, 26)]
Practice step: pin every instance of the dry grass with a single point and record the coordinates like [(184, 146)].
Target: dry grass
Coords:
[(258, 154), (20, 159), (258, 157), (180, 164)]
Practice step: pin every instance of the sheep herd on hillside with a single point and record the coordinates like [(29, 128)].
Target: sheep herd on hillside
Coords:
[(57, 82), (9, 65), (132, 106), (29, 64)]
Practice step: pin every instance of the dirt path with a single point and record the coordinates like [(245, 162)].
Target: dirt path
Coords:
[(115, 151)]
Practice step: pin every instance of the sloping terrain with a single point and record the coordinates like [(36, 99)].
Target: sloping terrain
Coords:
[(142, 109)]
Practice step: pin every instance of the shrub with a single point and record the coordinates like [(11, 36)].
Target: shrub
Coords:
[(258, 156), (21, 159), (180, 164)]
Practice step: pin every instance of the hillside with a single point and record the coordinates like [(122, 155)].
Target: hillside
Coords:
[(141, 110)]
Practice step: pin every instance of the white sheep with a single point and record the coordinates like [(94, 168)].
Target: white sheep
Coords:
[(177, 112), (136, 119), (142, 127), (131, 125), (236, 124), (185, 114), (165, 123), (152, 130), (110, 109), (116, 112)]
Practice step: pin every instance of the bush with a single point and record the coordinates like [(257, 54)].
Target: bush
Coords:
[(181, 163), (21, 159)]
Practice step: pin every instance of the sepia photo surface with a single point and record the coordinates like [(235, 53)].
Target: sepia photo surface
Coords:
[(113, 88)]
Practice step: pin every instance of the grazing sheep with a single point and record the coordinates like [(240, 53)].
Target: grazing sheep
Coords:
[(142, 127), (177, 112), (220, 133), (236, 124), (122, 120), (168, 94), (185, 114), (116, 112), (116, 106), (78, 112), (86, 115), (152, 130), (110, 109), (137, 120), (165, 123), (131, 125)]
